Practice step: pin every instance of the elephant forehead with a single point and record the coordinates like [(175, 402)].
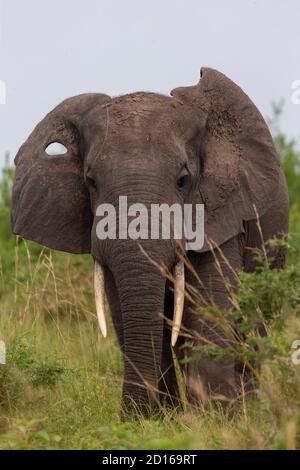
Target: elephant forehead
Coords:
[(147, 114), (142, 124)]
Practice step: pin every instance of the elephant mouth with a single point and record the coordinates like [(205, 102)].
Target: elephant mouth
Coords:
[(179, 285)]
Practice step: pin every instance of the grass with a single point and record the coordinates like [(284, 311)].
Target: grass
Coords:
[(62, 383)]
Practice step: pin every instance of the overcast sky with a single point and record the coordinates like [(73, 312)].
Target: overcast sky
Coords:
[(52, 49)]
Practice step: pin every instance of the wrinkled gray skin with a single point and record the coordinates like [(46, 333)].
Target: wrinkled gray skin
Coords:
[(140, 145)]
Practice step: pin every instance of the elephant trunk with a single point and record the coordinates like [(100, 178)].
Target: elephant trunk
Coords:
[(141, 288), (141, 291)]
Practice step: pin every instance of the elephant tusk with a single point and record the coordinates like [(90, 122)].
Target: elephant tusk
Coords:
[(178, 300), (100, 297)]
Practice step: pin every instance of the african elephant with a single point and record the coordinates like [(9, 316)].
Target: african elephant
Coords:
[(205, 144)]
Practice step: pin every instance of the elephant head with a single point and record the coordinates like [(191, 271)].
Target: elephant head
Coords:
[(205, 144)]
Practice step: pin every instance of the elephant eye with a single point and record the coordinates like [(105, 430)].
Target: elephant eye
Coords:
[(91, 184), (183, 178)]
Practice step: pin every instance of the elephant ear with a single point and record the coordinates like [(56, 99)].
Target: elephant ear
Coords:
[(240, 170), (51, 204)]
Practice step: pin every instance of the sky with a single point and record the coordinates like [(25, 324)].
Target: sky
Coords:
[(53, 49)]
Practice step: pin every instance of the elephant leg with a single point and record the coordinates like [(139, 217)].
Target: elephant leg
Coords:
[(168, 385), (204, 376)]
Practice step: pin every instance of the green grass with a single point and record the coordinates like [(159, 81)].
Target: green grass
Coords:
[(62, 383)]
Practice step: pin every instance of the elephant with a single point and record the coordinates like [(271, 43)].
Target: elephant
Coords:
[(204, 144)]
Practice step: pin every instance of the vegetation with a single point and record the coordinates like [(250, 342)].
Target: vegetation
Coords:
[(61, 386)]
